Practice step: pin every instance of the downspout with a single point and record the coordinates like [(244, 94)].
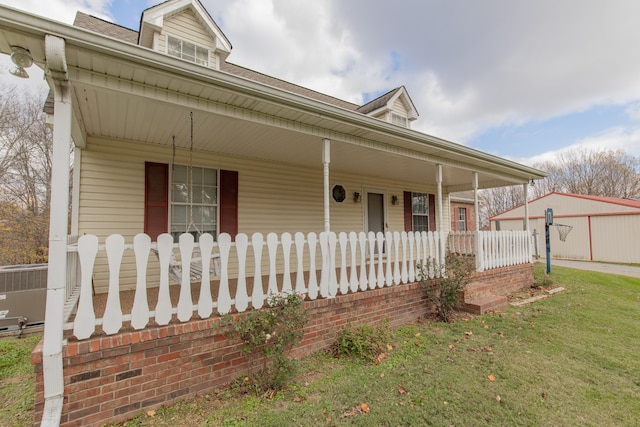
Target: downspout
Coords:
[(57, 75)]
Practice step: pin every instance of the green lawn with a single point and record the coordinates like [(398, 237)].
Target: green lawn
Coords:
[(570, 360), (16, 381)]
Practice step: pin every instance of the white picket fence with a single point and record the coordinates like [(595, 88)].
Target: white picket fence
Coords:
[(353, 262), (350, 262), (496, 249)]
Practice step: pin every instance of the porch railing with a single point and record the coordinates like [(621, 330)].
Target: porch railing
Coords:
[(317, 265)]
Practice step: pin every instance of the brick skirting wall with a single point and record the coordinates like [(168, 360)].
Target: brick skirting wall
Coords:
[(114, 378)]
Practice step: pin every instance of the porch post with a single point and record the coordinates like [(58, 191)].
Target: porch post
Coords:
[(476, 239), (326, 159), (440, 225), (58, 78), (525, 188)]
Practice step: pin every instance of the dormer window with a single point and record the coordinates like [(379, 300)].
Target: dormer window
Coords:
[(399, 120), (188, 51)]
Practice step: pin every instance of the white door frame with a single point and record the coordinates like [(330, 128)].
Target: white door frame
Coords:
[(365, 207)]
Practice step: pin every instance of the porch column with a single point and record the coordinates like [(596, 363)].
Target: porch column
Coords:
[(440, 225), (58, 79), (326, 159), (525, 188), (476, 239)]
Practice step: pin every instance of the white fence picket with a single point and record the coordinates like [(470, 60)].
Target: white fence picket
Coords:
[(112, 321), (298, 239), (224, 297), (140, 310), (205, 302), (85, 320), (272, 247), (353, 242), (388, 275), (242, 299), (344, 282), (285, 242), (312, 240), (163, 306), (257, 296), (185, 303)]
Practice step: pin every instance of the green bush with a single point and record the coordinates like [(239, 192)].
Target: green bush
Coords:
[(268, 335), (443, 293), (363, 342)]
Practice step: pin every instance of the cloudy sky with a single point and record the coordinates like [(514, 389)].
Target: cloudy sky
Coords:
[(521, 80)]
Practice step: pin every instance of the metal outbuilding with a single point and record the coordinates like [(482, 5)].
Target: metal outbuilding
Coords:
[(603, 228)]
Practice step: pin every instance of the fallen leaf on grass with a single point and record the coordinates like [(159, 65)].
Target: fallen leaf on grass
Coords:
[(389, 347), (486, 326), (151, 413), (298, 399), (362, 408), (451, 346), (382, 375), (417, 334), (498, 399), (401, 389), (491, 378), (468, 333)]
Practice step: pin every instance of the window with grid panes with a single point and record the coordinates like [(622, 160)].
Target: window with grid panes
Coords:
[(420, 211), (194, 204), (462, 219), (188, 51)]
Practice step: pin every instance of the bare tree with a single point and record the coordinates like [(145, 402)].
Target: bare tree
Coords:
[(493, 201), (610, 173), (25, 174)]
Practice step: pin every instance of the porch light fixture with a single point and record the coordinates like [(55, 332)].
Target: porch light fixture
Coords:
[(356, 197), (532, 183), (22, 59), (394, 200)]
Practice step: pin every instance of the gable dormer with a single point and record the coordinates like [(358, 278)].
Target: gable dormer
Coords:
[(184, 29), (394, 107)]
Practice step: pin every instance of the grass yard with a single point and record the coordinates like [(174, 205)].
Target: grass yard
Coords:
[(570, 360), (16, 381)]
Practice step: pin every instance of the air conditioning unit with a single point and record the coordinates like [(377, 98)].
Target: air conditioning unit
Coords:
[(23, 292)]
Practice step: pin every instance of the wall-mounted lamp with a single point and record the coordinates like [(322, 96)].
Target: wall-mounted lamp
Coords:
[(394, 200), (532, 183), (356, 197), (22, 59)]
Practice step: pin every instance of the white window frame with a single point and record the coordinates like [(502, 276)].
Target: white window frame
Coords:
[(420, 214), (462, 219), (198, 185), (184, 55)]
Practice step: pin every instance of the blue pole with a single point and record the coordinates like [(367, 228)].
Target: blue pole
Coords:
[(548, 241)]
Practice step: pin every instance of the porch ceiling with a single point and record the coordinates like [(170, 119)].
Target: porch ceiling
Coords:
[(130, 93)]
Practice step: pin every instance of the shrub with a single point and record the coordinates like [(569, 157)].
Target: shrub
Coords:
[(444, 292), (268, 335), (363, 342)]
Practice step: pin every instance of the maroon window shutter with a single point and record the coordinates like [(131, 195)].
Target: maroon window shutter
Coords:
[(156, 199), (432, 212), (467, 219), (408, 212), (229, 202)]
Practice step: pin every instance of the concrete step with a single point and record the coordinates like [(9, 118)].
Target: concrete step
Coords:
[(485, 304)]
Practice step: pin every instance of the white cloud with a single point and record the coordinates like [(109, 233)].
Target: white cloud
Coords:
[(62, 10), (623, 138)]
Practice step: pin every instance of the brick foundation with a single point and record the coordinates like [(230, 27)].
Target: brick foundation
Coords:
[(114, 378)]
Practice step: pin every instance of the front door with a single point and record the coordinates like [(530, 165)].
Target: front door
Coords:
[(375, 213)]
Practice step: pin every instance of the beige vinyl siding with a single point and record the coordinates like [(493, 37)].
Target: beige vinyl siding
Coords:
[(399, 108), (187, 27), (615, 238), (271, 197)]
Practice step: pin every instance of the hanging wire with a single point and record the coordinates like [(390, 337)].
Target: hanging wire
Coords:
[(191, 223)]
